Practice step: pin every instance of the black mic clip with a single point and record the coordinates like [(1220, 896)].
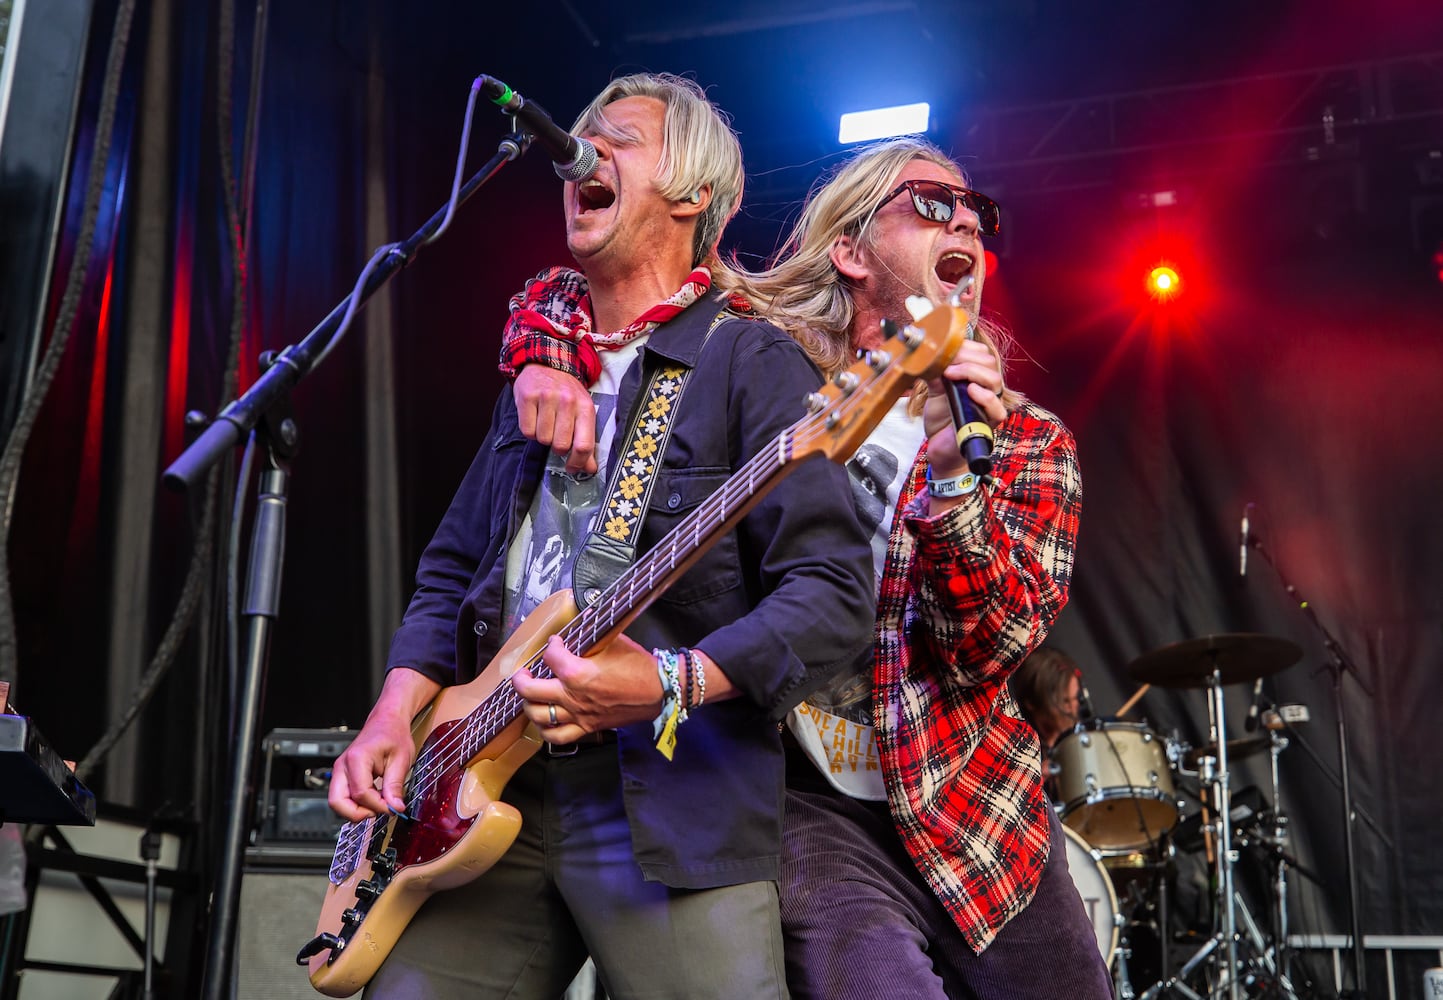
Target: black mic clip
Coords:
[(573, 156)]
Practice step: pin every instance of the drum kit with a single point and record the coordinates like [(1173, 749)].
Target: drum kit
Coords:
[(1118, 786)]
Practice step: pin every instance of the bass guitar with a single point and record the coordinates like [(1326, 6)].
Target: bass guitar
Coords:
[(473, 736)]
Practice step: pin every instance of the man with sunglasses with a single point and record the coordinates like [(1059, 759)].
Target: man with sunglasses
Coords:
[(922, 858)]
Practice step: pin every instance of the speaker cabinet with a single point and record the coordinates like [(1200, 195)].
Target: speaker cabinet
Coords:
[(278, 912)]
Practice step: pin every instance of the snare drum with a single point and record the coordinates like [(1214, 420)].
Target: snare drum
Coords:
[(1115, 785), (1095, 888)]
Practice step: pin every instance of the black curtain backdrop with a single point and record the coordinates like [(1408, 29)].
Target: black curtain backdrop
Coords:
[(1299, 372)]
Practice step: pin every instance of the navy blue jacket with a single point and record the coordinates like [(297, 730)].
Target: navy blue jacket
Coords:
[(781, 603)]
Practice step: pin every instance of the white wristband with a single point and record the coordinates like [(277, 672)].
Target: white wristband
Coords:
[(955, 487)]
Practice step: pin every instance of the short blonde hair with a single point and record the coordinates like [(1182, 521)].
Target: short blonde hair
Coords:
[(699, 148)]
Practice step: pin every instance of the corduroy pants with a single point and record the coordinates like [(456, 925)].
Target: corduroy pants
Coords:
[(860, 922)]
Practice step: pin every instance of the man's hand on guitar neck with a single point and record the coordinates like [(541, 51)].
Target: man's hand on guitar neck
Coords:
[(383, 749), (604, 690)]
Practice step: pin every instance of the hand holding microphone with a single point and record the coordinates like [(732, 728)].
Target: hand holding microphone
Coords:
[(971, 431), (974, 435)]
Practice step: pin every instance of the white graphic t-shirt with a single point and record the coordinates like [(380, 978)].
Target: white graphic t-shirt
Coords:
[(564, 510), (834, 725)]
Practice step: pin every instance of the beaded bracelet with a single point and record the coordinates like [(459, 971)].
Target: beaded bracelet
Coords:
[(689, 687)]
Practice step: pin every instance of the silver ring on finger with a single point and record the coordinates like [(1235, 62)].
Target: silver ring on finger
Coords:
[(551, 714)]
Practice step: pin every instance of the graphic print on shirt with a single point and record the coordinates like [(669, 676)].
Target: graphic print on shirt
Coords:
[(834, 724), (564, 511)]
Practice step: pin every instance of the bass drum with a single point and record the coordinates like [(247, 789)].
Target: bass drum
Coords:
[(1095, 888)]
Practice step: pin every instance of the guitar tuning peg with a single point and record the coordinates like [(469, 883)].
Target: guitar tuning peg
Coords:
[(846, 381)]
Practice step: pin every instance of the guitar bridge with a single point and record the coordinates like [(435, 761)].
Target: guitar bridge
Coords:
[(349, 841)]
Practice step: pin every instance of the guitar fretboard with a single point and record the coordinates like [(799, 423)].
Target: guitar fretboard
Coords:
[(626, 598)]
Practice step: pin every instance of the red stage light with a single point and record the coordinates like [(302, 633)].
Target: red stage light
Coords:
[(1163, 282)]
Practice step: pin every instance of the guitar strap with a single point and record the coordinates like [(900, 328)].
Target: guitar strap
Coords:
[(611, 546)]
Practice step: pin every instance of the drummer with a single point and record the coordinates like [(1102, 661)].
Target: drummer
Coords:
[(1048, 689)]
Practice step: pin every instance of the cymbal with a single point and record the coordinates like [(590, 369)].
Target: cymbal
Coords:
[(1237, 657), (1237, 749)]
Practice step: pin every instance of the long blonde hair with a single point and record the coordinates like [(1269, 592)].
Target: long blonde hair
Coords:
[(699, 149), (802, 291)]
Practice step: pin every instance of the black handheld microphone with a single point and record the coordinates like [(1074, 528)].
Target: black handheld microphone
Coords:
[(1243, 547), (974, 434), (575, 158)]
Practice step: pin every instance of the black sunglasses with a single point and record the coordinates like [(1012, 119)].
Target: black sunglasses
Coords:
[(936, 201)]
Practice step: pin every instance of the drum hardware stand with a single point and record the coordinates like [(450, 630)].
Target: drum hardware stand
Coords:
[(1123, 952), (1214, 772), (1268, 957), (1121, 979), (1178, 982), (1232, 907), (1279, 857), (1222, 804), (1227, 659)]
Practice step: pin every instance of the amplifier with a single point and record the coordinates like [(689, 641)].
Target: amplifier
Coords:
[(292, 803), (300, 814), (307, 744)]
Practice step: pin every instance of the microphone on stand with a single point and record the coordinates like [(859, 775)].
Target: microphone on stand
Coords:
[(1252, 722), (575, 158), (1246, 539)]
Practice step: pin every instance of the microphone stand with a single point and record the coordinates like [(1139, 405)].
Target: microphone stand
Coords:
[(266, 404), (1338, 665)]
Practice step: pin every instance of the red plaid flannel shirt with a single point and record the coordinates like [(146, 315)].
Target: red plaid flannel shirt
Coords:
[(965, 597), (531, 336)]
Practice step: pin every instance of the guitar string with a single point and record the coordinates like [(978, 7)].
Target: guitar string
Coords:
[(471, 731), (478, 727), (741, 488), (504, 703)]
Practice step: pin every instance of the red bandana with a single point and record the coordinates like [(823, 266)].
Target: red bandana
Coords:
[(557, 303)]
